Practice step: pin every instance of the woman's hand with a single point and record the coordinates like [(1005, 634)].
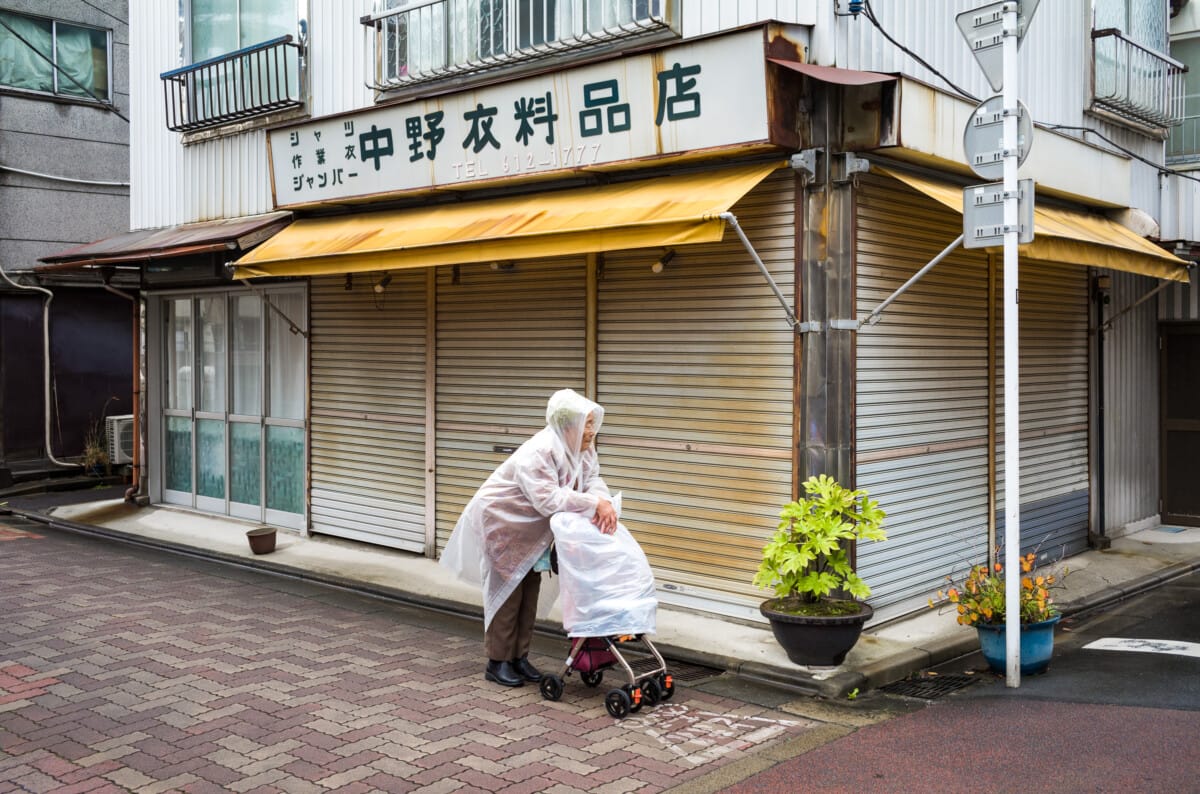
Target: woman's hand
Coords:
[(606, 517)]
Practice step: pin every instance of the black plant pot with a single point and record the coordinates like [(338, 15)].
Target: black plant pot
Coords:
[(817, 640)]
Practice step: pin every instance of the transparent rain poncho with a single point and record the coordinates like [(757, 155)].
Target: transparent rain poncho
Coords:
[(505, 527), (606, 583)]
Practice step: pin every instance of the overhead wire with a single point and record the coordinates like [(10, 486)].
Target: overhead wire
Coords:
[(869, 13)]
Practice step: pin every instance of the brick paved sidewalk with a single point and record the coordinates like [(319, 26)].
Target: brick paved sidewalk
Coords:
[(123, 669)]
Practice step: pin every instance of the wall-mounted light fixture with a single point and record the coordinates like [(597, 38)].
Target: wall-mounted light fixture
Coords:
[(663, 261), (382, 284), (349, 285)]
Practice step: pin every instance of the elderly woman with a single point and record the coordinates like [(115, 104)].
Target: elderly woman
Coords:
[(503, 537)]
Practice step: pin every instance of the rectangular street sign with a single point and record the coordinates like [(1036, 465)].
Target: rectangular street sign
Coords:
[(983, 214)]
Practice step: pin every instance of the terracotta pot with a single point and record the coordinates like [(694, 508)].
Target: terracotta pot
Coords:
[(262, 539), (816, 639)]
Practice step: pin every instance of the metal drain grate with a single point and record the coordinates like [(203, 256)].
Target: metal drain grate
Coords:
[(930, 687), (682, 672)]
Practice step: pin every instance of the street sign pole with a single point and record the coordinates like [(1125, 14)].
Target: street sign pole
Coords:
[(1012, 379)]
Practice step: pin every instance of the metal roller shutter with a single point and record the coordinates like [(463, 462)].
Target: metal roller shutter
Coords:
[(922, 394), (1054, 409), (368, 410), (695, 371), (506, 340)]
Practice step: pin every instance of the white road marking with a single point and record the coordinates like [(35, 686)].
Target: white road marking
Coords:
[(699, 737), (1145, 646)]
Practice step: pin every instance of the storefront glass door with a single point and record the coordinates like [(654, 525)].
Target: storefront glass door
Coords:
[(233, 402)]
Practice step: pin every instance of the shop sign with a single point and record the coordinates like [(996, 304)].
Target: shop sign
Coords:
[(702, 95)]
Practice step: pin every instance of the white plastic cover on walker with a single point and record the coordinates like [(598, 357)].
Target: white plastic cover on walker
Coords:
[(606, 586)]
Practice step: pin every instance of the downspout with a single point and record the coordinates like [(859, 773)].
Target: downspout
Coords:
[(132, 492), (45, 361)]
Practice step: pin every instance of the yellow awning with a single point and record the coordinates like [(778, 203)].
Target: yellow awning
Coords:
[(1069, 236), (666, 211)]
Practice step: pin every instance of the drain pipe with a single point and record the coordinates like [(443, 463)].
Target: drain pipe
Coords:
[(45, 359), (134, 489)]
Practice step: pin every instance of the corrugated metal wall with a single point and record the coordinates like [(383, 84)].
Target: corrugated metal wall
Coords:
[(1131, 427), (506, 341), (368, 409), (711, 16), (225, 177), (927, 27), (695, 372), (1181, 199), (1180, 301), (922, 394)]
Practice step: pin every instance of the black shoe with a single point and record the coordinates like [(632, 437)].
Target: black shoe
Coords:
[(523, 668), (503, 674)]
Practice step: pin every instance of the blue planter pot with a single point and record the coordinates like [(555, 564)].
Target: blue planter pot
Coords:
[(1037, 646)]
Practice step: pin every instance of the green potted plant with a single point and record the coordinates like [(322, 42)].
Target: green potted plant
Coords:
[(818, 613), (979, 600), (95, 450)]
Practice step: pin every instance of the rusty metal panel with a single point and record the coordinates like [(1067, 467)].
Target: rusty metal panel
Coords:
[(921, 396), (507, 338), (368, 409), (232, 235), (695, 370)]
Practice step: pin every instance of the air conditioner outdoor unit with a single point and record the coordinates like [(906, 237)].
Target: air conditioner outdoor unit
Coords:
[(119, 431)]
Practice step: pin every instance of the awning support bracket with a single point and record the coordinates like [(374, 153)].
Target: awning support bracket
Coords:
[(1107, 324), (295, 329), (732, 220), (873, 317)]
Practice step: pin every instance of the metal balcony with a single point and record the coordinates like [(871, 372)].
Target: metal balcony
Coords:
[(1134, 82), (416, 41), (1183, 146), (253, 81)]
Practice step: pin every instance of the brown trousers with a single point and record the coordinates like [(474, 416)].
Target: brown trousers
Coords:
[(509, 634)]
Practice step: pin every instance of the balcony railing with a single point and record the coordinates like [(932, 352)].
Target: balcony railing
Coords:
[(251, 82), (421, 40), (1134, 82), (1184, 144)]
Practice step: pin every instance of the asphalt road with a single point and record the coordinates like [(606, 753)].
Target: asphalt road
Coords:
[(1097, 721)]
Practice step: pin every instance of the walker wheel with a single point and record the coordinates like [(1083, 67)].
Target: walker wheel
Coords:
[(634, 693), (651, 692), (618, 704), (593, 678), (666, 683), (552, 687)]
